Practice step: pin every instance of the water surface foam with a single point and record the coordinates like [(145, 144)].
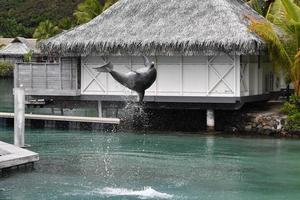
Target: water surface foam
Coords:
[(146, 193)]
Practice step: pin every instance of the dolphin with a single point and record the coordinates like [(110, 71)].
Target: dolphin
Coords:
[(138, 80)]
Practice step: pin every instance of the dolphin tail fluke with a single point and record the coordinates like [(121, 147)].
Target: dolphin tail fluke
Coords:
[(141, 96), (108, 67)]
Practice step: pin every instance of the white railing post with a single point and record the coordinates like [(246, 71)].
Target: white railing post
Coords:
[(19, 120), (100, 113), (210, 120), (16, 75)]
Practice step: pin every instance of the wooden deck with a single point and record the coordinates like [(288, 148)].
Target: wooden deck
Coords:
[(65, 118), (11, 156)]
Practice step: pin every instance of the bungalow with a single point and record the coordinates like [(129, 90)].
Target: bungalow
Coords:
[(15, 49), (203, 50)]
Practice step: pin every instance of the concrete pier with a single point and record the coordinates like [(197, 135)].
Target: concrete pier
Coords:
[(19, 121), (11, 156), (210, 120)]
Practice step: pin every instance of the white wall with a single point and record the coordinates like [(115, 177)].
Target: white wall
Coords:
[(271, 79), (177, 76), (258, 76)]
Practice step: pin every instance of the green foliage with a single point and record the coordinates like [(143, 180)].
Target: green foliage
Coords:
[(45, 30), (89, 9), (257, 5), (65, 23), (292, 109), (283, 45), (293, 122), (9, 27), (28, 56), (20, 17), (289, 109), (5, 69), (109, 3)]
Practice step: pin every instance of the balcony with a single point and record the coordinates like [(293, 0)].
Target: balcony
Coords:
[(49, 79)]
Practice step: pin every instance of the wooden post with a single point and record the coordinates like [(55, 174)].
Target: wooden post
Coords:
[(210, 120), (19, 120), (99, 109)]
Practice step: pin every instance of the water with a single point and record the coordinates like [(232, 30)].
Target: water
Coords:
[(6, 94), (116, 166)]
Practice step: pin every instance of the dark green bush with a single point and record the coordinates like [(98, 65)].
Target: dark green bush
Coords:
[(292, 109), (296, 101), (289, 108), (293, 122), (5, 68)]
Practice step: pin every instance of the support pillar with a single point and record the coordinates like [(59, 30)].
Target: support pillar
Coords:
[(19, 120), (100, 114), (210, 120)]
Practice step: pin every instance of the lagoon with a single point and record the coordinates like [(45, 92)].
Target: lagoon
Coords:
[(123, 165)]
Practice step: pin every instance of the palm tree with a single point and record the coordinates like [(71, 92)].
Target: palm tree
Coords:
[(283, 44), (109, 3), (90, 9), (65, 23), (45, 30), (260, 6)]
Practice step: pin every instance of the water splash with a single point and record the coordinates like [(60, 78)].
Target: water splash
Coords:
[(134, 115), (146, 193)]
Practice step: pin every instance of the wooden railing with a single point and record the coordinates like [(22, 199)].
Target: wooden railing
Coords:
[(48, 79)]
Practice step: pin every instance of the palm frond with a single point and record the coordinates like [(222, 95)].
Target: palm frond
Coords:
[(277, 48), (257, 5), (109, 3), (293, 15), (87, 10)]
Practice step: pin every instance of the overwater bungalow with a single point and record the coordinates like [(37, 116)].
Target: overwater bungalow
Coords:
[(204, 53), (15, 48)]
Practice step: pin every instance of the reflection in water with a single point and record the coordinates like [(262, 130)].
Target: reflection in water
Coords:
[(6, 95), (210, 145)]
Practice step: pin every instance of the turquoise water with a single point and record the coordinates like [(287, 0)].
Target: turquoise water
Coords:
[(6, 94), (95, 165)]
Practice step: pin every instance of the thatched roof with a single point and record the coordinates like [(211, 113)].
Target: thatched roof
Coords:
[(5, 41), (19, 46), (162, 27)]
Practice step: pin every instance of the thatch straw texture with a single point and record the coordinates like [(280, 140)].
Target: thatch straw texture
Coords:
[(19, 46), (162, 27), (5, 41)]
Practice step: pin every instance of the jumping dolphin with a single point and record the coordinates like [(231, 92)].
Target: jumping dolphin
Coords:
[(138, 80)]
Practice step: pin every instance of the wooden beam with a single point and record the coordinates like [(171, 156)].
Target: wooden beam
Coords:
[(51, 92), (100, 120)]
